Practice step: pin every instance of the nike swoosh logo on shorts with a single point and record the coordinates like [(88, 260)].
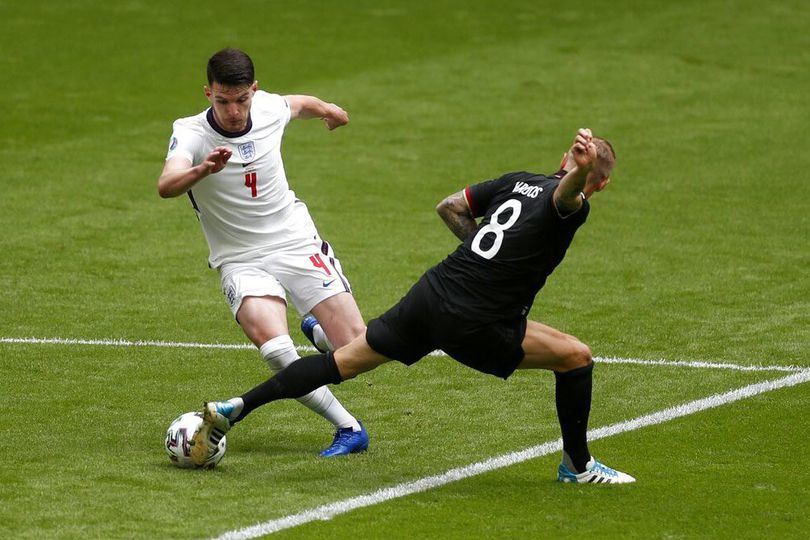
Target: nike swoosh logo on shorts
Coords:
[(327, 283)]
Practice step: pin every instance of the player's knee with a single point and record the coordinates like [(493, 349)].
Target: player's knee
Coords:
[(579, 356), (258, 334)]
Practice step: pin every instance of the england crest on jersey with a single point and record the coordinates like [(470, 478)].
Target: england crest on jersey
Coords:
[(247, 151)]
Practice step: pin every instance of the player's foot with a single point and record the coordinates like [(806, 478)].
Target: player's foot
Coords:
[(215, 425), (308, 325), (347, 441), (229, 409), (595, 473)]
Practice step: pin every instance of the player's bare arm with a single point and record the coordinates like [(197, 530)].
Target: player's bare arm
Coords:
[(567, 196), (179, 175), (456, 213), (306, 107)]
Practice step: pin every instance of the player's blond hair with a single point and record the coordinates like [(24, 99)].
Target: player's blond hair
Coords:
[(605, 156)]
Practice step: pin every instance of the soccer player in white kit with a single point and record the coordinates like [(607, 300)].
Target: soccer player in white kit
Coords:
[(261, 238)]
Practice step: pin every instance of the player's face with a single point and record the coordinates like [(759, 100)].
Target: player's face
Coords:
[(231, 104)]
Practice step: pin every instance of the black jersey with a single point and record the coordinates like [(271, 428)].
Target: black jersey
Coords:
[(496, 273)]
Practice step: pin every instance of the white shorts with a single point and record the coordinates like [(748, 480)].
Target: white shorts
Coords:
[(308, 271)]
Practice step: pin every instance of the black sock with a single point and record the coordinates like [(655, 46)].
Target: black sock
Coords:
[(573, 397), (296, 380)]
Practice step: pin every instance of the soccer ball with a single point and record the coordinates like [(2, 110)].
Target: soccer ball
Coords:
[(178, 440)]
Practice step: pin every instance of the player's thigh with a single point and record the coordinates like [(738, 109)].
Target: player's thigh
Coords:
[(340, 318), (545, 347), (494, 348), (256, 299), (263, 318)]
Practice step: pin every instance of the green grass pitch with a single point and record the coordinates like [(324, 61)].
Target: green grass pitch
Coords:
[(698, 251)]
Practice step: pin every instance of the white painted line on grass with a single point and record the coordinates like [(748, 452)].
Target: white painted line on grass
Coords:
[(331, 510), (127, 343), (311, 349), (695, 364)]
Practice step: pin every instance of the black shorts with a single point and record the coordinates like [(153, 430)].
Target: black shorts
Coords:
[(422, 322)]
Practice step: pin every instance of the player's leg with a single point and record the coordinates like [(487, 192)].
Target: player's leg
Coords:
[(300, 378), (257, 300), (315, 333), (547, 348), (297, 379), (334, 322), (351, 360), (334, 319), (313, 279), (357, 357), (306, 374), (393, 334), (262, 318), (340, 319)]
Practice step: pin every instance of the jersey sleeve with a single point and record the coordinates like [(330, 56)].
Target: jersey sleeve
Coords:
[(286, 112), (185, 142), (274, 106), (479, 195)]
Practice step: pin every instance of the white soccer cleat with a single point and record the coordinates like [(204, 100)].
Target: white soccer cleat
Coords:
[(595, 473), (214, 427)]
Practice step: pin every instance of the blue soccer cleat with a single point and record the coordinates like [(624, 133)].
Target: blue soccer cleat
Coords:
[(308, 325), (347, 441), (595, 473)]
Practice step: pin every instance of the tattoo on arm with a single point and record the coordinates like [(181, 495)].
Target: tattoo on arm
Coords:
[(456, 214)]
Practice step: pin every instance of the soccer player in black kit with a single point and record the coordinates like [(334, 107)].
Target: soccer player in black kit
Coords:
[(473, 305)]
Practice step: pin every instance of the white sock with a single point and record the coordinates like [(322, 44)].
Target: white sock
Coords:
[(321, 340), (279, 353)]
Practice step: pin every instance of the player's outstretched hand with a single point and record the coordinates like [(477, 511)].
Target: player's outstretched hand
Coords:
[(335, 117), (216, 160), (584, 149)]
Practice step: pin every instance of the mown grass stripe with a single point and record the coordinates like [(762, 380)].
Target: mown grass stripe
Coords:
[(328, 511)]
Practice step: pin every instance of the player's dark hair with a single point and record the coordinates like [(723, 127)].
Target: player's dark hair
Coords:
[(230, 67)]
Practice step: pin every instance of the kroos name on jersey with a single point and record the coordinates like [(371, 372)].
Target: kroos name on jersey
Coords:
[(525, 189)]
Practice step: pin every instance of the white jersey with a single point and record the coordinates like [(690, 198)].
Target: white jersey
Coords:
[(243, 209)]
